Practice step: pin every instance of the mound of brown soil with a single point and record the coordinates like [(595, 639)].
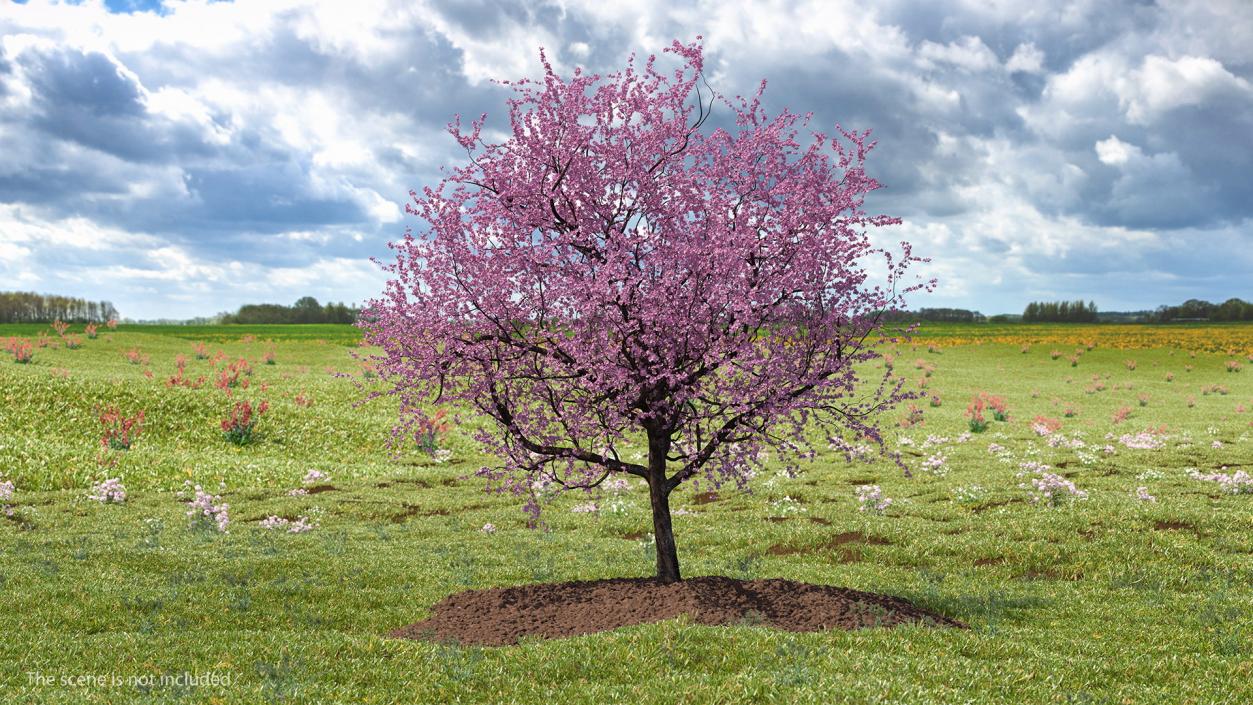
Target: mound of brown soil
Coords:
[(501, 616)]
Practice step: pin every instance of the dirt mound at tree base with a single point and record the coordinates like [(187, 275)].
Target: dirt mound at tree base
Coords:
[(502, 616)]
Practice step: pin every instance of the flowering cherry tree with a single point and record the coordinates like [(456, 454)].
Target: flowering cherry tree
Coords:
[(622, 291)]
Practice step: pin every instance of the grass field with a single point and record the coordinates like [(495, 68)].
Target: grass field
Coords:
[(1105, 599)]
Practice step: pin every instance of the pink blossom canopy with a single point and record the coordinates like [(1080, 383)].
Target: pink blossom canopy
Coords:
[(614, 271)]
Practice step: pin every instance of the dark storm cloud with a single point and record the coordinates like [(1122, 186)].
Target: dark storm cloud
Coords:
[(1215, 142), (489, 16), (84, 97), (1063, 31), (1169, 269), (264, 197), (82, 83), (54, 184)]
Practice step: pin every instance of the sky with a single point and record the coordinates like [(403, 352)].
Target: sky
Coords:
[(181, 158)]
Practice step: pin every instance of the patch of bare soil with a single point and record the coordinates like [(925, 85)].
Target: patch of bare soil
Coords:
[(782, 549), (992, 505), (418, 483), (1172, 525), (503, 616), (1093, 532), (857, 537), (845, 545), (413, 510), (1049, 574)]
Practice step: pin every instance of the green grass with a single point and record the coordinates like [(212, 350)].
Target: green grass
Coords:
[(1107, 600), (311, 332)]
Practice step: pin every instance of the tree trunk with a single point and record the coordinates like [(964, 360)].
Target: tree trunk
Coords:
[(659, 498)]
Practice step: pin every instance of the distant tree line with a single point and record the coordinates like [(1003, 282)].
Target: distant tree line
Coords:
[(1198, 310), (949, 315), (29, 307), (305, 310), (1060, 312)]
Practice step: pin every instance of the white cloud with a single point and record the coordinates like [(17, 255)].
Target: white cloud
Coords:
[(1162, 84), (969, 53), (1105, 85), (511, 53), (1026, 59), (1113, 151), (338, 269), (180, 105), (20, 227)]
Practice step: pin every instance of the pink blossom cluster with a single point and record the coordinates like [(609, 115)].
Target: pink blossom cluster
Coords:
[(120, 431), (1238, 482), (616, 484), (1031, 466), (936, 465), (315, 476), (135, 357), (1058, 440), (1142, 494), (861, 451), (108, 491), (21, 350), (299, 526), (1052, 489), (208, 508), (982, 402), (7, 488), (273, 522), (1142, 441), (1045, 426), (870, 497), (239, 427)]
